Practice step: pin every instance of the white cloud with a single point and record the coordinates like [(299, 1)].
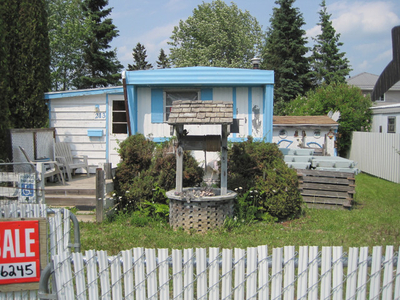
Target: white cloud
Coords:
[(313, 32), (360, 17), (385, 56), (363, 66)]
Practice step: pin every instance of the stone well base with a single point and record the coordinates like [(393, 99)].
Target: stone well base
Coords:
[(200, 214)]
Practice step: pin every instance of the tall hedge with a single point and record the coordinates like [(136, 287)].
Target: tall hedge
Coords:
[(26, 73), (267, 187), (147, 170)]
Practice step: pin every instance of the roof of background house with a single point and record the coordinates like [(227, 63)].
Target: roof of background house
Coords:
[(366, 81), (303, 121)]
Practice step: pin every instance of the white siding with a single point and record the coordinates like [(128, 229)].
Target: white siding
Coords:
[(382, 120), (257, 112), (74, 116), (222, 94), (242, 100), (377, 154)]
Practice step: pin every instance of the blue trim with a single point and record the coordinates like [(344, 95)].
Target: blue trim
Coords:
[(95, 132), (314, 143), (157, 106), (249, 112), (206, 94), (160, 139), (49, 107), (291, 142), (79, 93), (237, 139), (234, 105), (268, 111), (200, 76), (132, 107), (107, 130)]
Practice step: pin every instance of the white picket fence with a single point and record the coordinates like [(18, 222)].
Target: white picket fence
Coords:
[(60, 232), (228, 274)]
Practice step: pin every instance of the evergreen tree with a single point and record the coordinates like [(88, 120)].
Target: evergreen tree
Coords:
[(68, 31), (163, 60), (327, 62), (4, 81), (101, 67), (25, 74), (139, 58), (284, 52), (216, 35)]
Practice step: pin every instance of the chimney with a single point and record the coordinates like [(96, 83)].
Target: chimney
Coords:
[(256, 63)]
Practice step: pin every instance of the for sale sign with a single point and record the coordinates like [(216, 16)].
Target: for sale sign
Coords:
[(19, 251)]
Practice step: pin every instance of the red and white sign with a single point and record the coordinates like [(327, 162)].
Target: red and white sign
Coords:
[(19, 252)]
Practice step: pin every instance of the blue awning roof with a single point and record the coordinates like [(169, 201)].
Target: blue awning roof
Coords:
[(200, 76)]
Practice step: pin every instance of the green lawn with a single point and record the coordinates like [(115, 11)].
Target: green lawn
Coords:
[(374, 220)]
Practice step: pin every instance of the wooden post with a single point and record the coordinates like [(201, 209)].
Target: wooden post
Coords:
[(40, 196), (224, 160), (99, 195), (107, 170), (179, 169)]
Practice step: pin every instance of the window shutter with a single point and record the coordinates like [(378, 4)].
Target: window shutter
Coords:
[(206, 94), (157, 106)]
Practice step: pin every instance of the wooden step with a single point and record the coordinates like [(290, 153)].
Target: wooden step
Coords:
[(84, 202), (67, 192)]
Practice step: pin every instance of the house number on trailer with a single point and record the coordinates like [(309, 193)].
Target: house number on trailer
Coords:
[(100, 115)]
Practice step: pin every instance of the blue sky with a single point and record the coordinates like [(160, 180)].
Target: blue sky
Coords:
[(365, 26)]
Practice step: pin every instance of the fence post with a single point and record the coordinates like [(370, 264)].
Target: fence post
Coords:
[(40, 196), (107, 170), (99, 194)]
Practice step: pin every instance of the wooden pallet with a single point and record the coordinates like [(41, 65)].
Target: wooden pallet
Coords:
[(326, 189)]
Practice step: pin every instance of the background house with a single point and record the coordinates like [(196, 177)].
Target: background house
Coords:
[(366, 82), (386, 118), (94, 121)]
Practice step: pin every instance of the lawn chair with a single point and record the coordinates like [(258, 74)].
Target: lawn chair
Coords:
[(53, 170), (71, 163)]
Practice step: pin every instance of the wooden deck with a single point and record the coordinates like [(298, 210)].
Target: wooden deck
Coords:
[(79, 192)]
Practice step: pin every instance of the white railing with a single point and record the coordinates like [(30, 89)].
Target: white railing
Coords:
[(62, 228), (377, 154), (228, 274)]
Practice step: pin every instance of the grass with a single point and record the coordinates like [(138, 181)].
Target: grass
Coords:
[(374, 220)]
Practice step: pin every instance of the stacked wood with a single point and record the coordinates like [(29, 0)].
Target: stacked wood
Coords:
[(327, 189)]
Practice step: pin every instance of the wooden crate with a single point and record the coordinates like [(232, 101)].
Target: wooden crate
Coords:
[(326, 189)]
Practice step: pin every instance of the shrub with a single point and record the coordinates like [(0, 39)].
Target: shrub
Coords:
[(147, 170), (267, 188)]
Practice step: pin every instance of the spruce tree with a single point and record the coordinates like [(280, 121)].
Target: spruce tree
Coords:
[(25, 71), (68, 31), (328, 64), (139, 59), (284, 53), (163, 61), (101, 67)]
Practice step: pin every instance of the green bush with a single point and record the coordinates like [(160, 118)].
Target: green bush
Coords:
[(147, 170), (267, 188)]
